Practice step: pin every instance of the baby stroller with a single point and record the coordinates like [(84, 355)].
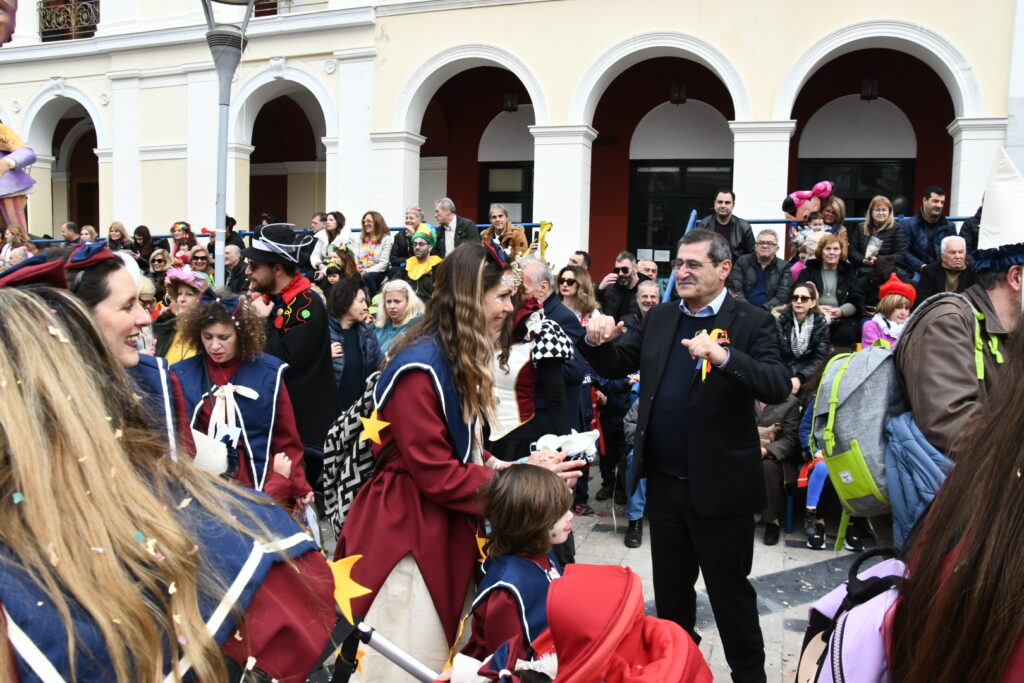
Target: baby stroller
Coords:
[(587, 640)]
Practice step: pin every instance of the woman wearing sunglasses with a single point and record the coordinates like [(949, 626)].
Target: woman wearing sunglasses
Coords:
[(199, 259), (576, 290), (803, 333), (159, 263)]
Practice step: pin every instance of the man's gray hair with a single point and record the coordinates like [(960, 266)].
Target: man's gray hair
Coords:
[(719, 249), (947, 238), (543, 272), (446, 204), (233, 248), (499, 207), (769, 231), (647, 283)]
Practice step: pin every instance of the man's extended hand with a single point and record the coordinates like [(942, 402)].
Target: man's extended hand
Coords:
[(704, 347), (603, 328)]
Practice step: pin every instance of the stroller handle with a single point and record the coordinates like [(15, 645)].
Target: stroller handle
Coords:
[(412, 666)]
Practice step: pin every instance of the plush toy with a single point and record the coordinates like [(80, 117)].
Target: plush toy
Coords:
[(802, 202), (8, 10), (15, 183)]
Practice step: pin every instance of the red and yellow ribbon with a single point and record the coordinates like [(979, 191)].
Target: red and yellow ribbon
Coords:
[(719, 336)]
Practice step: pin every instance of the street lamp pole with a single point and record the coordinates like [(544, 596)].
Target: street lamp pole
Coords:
[(226, 41)]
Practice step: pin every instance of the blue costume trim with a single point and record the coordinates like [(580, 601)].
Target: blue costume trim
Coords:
[(263, 375), (241, 564), (1000, 259), (427, 355), (527, 583), (151, 377)]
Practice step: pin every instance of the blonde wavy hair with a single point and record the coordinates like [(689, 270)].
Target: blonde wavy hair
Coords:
[(455, 316), (75, 429)]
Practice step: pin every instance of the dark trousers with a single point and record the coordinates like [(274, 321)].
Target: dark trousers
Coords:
[(614, 455), (774, 477), (722, 549)]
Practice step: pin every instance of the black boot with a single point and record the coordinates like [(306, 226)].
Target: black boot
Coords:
[(635, 533)]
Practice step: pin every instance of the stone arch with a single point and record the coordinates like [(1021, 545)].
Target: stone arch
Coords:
[(413, 100), (647, 46), (914, 39), (47, 108), (67, 145), (308, 92)]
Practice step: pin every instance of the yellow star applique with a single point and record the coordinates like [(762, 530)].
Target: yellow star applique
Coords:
[(345, 588), (359, 660), (372, 427), (481, 544)]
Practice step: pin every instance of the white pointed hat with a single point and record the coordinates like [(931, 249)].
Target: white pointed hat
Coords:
[(1001, 235)]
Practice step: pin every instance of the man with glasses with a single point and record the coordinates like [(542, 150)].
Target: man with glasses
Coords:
[(704, 360), (761, 278), (617, 290), (730, 226), (418, 269), (511, 237)]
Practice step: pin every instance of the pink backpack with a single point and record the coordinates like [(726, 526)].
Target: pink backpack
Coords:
[(844, 642)]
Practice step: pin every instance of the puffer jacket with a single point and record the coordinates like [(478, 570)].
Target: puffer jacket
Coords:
[(369, 347), (802, 367), (894, 244), (778, 280), (914, 472)]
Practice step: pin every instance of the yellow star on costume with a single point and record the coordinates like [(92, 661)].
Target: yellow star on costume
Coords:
[(481, 544), (372, 427), (359, 660), (345, 588)]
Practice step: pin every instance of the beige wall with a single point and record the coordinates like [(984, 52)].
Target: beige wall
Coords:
[(305, 196), (164, 195)]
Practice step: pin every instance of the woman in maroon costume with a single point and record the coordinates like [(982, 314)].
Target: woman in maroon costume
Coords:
[(414, 523)]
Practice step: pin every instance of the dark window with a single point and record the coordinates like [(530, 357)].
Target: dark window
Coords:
[(509, 183), (663, 193), (68, 19), (857, 181)]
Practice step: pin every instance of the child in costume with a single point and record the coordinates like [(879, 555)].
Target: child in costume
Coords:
[(15, 183), (897, 297), (528, 509)]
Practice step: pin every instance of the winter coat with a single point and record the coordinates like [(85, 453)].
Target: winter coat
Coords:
[(785, 448), (778, 280), (369, 348), (914, 472), (894, 244), (742, 238), (848, 286), (802, 367), (514, 239), (924, 238), (933, 280)]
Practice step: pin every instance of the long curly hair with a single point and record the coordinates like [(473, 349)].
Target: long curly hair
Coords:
[(380, 227), (250, 328), (456, 318), (112, 469)]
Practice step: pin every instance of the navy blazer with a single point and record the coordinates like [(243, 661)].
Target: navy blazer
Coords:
[(574, 371), (726, 477)]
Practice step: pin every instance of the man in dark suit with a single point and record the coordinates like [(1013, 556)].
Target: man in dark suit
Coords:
[(452, 230), (697, 440)]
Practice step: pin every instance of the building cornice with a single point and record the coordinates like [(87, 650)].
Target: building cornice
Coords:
[(420, 6), (302, 22)]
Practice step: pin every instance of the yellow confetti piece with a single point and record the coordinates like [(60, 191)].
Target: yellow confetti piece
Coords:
[(151, 546), (116, 621), (184, 504), (83, 458), (172, 589)]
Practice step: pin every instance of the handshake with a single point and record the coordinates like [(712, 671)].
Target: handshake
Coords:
[(576, 446)]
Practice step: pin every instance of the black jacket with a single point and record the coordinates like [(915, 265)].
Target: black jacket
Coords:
[(574, 372), (848, 285), (933, 281), (620, 302), (237, 281), (465, 230), (802, 367), (778, 281), (726, 477), (969, 231), (894, 243), (164, 328), (742, 238)]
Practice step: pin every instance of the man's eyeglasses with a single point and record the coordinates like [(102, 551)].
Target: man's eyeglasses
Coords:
[(767, 244), (566, 281), (690, 264), (800, 298), (622, 270)]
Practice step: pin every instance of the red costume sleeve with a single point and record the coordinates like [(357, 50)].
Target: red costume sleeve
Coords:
[(182, 418), (494, 621), (285, 439), (418, 427), (13, 673), (289, 620)]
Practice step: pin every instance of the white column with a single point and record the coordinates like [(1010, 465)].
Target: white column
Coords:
[(40, 202), (126, 169), (105, 172), (1015, 101), (760, 171), (975, 143), (201, 158), (237, 200), (348, 182), (395, 171), (27, 30), (561, 186), (332, 167), (433, 182)]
